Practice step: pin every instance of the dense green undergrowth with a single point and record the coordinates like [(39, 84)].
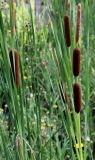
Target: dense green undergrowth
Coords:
[(37, 115)]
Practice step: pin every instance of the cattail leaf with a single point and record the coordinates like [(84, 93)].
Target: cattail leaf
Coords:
[(17, 74)]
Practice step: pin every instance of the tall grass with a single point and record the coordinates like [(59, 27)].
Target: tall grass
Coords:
[(41, 116)]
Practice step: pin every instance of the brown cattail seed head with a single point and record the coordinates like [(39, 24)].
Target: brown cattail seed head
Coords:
[(67, 30), (66, 97), (17, 72), (76, 62), (78, 22), (77, 97), (11, 61)]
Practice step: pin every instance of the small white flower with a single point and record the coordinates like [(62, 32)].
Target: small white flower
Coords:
[(88, 139), (27, 59), (6, 105), (31, 95)]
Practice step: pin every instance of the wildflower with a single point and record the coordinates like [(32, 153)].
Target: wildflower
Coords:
[(77, 146), (77, 97), (27, 59), (27, 77), (55, 106), (43, 125), (47, 113), (31, 95), (67, 30), (88, 139), (78, 22), (50, 125), (76, 62)]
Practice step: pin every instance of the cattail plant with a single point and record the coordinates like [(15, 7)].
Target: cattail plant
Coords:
[(43, 136), (67, 5), (66, 97), (77, 97), (11, 62), (15, 63), (17, 72), (78, 22), (76, 62), (13, 18), (67, 30)]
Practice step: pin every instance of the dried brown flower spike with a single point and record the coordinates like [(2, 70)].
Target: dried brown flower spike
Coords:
[(77, 97), (76, 62), (17, 72), (78, 22), (67, 30), (11, 62)]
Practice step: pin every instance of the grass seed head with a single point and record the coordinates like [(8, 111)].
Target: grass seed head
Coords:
[(76, 62), (67, 30), (77, 97)]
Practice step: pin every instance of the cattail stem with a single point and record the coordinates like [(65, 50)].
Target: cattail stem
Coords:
[(77, 106), (78, 22), (67, 30), (77, 97), (17, 74), (76, 62), (80, 147)]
